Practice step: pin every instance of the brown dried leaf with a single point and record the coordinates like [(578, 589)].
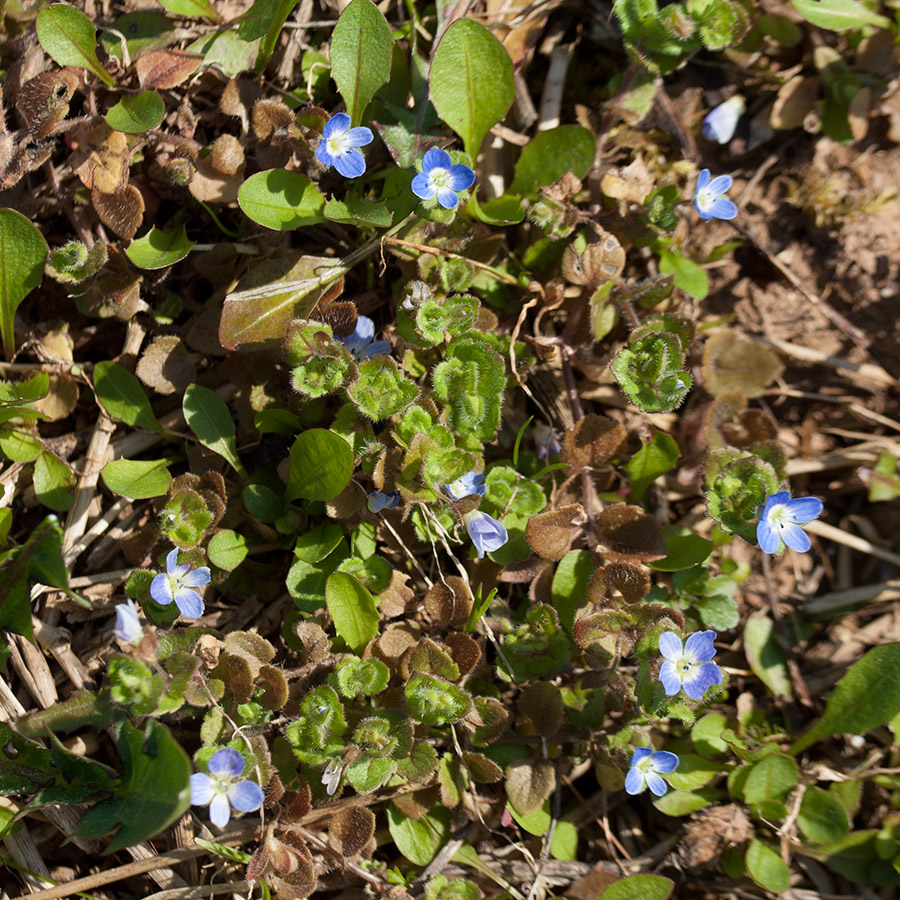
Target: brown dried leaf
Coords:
[(167, 366), (417, 803), (396, 597), (349, 502), (465, 651), (350, 829), (542, 704), (632, 184), (121, 212), (238, 98), (618, 577), (550, 533), (276, 692), (433, 658), (796, 98), (236, 673), (630, 534), (603, 260), (449, 603), (43, 102), (101, 158), (272, 119), (61, 399), (592, 442), (211, 186), (297, 803), (227, 155), (529, 783), (482, 769), (710, 831), (734, 362), (164, 69), (256, 650), (487, 720)]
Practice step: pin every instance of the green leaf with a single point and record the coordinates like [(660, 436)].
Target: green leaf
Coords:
[(68, 38), (655, 458), (361, 49), (537, 822), (639, 887), (123, 397), (353, 610), (419, 839), (765, 655), (358, 211), (682, 552), (569, 586), (190, 9), (839, 15), (688, 275), (550, 155), (227, 549), (281, 200), (866, 697), (19, 446), (143, 31), (154, 789), (322, 541), (471, 81), (53, 482), (277, 12), (822, 817), (158, 249), (320, 467), (766, 867), (771, 779), (137, 479), (683, 803), (22, 254), (136, 113), (208, 417)]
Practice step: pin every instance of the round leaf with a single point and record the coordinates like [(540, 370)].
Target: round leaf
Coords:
[(550, 155), (766, 868), (137, 479), (320, 467), (281, 200), (136, 113), (227, 549), (158, 249), (123, 397)]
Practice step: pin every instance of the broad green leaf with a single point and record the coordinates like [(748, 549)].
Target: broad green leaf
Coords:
[(137, 479), (281, 200), (771, 779), (322, 541), (822, 817), (569, 586), (20, 446), (320, 466), (688, 275), (22, 254), (265, 19), (683, 803), (639, 887), (361, 49), (419, 839), (550, 155), (866, 697), (655, 458), (767, 868), (53, 482), (143, 31), (154, 788), (706, 734), (537, 822), (190, 9), (693, 772), (471, 81), (227, 549), (765, 655), (69, 38), (136, 113), (123, 396), (355, 211), (564, 843), (208, 417), (158, 249), (682, 552), (352, 609), (225, 50), (839, 15)]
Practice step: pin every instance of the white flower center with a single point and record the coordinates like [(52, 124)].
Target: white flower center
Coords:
[(440, 178), (705, 198), (684, 665), (336, 144), (779, 515), (222, 785)]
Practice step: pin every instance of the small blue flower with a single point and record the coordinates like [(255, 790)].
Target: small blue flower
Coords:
[(361, 343), (546, 441), (466, 485), (376, 501), (128, 627), (646, 768), (688, 667), (177, 584), (486, 532), (339, 144), (720, 123), (221, 790), (710, 198), (781, 519), (442, 177)]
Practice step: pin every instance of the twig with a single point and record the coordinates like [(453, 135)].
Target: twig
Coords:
[(886, 590), (437, 251), (201, 891), (840, 536)]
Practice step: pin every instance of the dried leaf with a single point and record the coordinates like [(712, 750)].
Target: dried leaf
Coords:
[(43, 102), (550, 534), (166, 366), (350, 829), (731, 361), (164, 69), (796, 98), (618, 577), (593, 441), (632, 184), (211, 186), (482, 769), (121, 212), (542, 704), (529, 783), (272, 119), (101, 158), (630, 534), (465, 651)]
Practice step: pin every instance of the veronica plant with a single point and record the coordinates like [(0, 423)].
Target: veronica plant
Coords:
[(340, 145), (780, 521), (720, 123), (710, 199), (442, 178), (177, 584), (223, 789), (647, 767), (688, 667)]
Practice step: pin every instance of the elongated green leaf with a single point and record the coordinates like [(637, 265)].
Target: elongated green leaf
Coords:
[(70, 39), (471, 81), (765, 654), (208, 417), (767, 868), (22, 254), (353, 610), (639, 887), (822, 817), (690, 277), (866, 697), (281, 200), (123, 397), (655, 458), (360, 55), (549, 155), (279, 10), (137, 479), (53, 482), (136, 113), (839, 15), (320, 467), (158, 249), (191, 9), (419, 839)]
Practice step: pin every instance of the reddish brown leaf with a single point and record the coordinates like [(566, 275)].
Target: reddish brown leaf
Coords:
[(164, 69), (122, 212)]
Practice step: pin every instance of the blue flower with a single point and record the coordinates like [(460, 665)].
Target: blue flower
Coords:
[(486, 532), (128, 627), (546, 442), (339, 144), (177, 584), (688, 667), (720, 123), (361, 343), (466, 485), (646, 768), (377, 501), (710, 198), (440, 176), (781, 519), (220, 790)]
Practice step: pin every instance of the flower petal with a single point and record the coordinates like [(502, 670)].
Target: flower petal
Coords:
[(721, 184), (655, 783), (447, 198), (203, 789), (358, 137), (700, 210), (670, 678), (663, 761), (422, 186), (226, 763), (246, 796), (768, 536), (805, 509), (435, 158), (322, 154), (337, 124), (172, 561), (161, 589), (461, 177), (486, 532), (640, 753), (350, 164), (700, 678), (703, 179), (699, 647), (219, 811), (635, 781), (376, 348), (189, 603), (128, 626), (775, 500), (670, 645), (723, 208), (466, 485), (197, 578), (795, 537)]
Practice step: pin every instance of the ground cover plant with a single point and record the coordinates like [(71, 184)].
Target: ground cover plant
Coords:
[(449, 450)]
